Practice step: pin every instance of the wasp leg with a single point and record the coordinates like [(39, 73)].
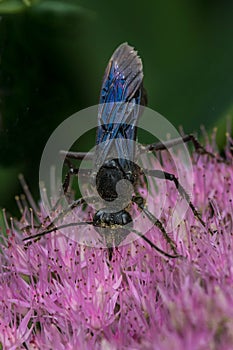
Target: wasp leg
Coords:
[(167, 176), (66, 183), (73, 172), (77, 155), (51, 227), (159, 146), (140, 203), (154, 246), (56, 228)]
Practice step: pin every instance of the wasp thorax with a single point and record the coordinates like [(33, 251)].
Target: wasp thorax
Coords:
[(116, 179)]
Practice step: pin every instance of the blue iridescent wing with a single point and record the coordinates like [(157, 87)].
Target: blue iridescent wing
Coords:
[(119, 103)]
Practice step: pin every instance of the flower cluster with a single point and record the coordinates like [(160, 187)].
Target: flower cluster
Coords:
[(58, 294)]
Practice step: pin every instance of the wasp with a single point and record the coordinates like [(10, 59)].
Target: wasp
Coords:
[(122, 94)]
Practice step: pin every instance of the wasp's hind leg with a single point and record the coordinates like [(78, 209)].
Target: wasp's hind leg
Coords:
[(161, 146)]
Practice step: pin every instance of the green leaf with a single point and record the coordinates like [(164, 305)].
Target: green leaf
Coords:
[(14, 6), (59, 7)]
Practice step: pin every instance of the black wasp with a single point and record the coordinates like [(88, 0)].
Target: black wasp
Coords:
[(122, 93)]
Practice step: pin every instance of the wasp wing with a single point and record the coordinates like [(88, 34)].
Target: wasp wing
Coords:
[(119, 104)]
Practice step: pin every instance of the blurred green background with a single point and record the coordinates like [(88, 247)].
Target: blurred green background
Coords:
[(54, 53)]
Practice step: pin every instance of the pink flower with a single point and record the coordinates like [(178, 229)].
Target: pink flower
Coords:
[(57, 294)]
